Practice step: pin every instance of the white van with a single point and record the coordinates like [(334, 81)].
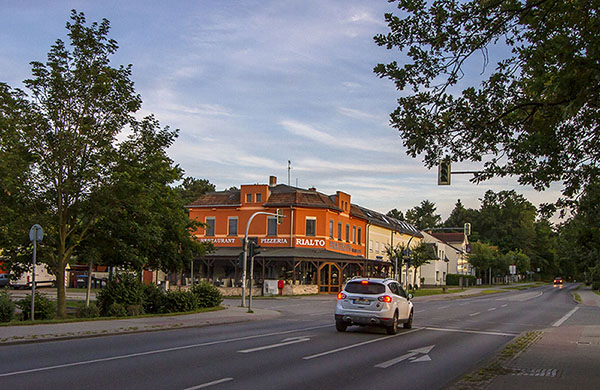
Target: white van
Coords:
[(42, 278)]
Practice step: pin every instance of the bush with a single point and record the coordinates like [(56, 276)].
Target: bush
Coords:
[(454, 280), (125, 289), (116, 310), (7, 307), (208, 295), (153, 298), (596, 285), (44, 308), (90, 311), (134, 310), (180, 301)]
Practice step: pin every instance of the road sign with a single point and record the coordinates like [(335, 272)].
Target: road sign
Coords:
[(36, 233)]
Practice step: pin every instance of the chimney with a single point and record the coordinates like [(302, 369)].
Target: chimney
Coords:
[(314, 189), (272, 181)]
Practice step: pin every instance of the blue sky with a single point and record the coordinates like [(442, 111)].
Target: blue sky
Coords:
[(253, 84)]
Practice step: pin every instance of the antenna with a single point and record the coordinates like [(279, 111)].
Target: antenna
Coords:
[(289, 169)]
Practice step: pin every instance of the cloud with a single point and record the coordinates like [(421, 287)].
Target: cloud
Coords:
[(358, 114)]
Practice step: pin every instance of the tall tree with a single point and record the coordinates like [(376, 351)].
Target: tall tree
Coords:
[(192, 188), (424, 216), (537, 114), (395, 213)]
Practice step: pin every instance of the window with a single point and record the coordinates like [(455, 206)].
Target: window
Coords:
[(437, 276), (340, 231), (248, 198), (210, 226), (311, 226), (354, 234), (359, 236), (258, 198), (376, 246), (272, 226), (365, 288), (347, 233), (370, 245), (331, 228), (233, 226)]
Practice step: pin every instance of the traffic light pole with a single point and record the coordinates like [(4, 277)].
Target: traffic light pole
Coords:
[(245, 263)]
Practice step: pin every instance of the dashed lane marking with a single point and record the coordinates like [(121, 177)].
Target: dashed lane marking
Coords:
[(208, 384)]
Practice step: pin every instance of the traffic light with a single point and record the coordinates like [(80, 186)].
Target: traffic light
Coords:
[(253, 249), (240, 260), (444, 173), (279, 216), (467, 229)]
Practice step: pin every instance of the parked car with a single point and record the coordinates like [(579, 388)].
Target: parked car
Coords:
[(42, 278), (374, 302), (4, 280)]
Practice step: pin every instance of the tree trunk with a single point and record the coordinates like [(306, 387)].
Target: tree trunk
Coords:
[(61, 298)]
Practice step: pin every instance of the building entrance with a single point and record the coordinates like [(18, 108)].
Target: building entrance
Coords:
[(329, 278)]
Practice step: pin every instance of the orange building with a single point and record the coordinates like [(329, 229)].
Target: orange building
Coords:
[(320, 240)]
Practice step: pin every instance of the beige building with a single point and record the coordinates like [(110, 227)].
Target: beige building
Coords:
[(459, 263)]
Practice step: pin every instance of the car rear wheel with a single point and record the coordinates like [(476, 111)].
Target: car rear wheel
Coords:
[(340, 326), (408, 324), (392, 329)]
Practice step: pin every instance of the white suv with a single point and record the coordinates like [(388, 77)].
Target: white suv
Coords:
[(376, 302)]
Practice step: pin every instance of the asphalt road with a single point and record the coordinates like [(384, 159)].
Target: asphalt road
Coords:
[(299, 350)]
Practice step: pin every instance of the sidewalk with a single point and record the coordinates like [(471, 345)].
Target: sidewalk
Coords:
[(68, 330)]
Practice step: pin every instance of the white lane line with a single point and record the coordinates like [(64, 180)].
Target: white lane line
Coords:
[(418, 311), (474, 314), (565, 317), (473, 331), (492, 309), (208, 384), (119, 357), (444, 307), (293, 340), (463, 304), (357, 345), (506, 304)]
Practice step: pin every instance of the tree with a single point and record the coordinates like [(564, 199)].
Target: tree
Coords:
[(423, 216), (482, 257), (420, 255), (191, 189), (395, 213), (536, 114), (395, 255)]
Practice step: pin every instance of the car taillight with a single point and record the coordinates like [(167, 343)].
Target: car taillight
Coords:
[(364, 282), (341, 296), (385, 298)]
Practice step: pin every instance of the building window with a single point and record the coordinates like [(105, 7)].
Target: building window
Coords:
[(376, 246), (331, 228), (311, 226), (233, 224), (347, 233), (210, 226), (359, 236), (354, 234), (248, 198), (258, 198), (340, 231), (272, 226), (370, 245), (437, 276)]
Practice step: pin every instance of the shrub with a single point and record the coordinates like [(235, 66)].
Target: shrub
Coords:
[(90, 311), (153, 298), (596, 285), (125, 289), (44, 308), (180, 301), (7, 307), (454, 280), (208, 295), (134, 310), (116, 310)]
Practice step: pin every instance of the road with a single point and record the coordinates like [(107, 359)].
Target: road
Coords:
[(299, 350)]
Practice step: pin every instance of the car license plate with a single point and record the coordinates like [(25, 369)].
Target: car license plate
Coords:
[(361, 301)]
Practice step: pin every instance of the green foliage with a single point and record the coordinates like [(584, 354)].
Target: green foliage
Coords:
[(180, 301), (134, 310), (395, 213), (90, 311), (7, 307), (45, 309), (153, 298), (454, 280), (125, 289), (191, 189), (424, 216), (536, 114), (208, 295), (116, 310)]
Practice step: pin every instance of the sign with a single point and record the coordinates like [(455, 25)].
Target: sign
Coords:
[(312, 242), (223, 241), (513, 269), (36, 233), (273, 241)]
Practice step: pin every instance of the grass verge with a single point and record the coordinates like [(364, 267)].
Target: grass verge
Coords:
[(576, 297)]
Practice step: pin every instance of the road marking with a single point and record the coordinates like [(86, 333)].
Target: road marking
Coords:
[(131, 355), (357, 345), (474, 314), (418, 311), (202, 386), (492, 309), (289, 341), (565, 317), (472, 331), (411, 354), (506, 304), (444, 307), (463, 304)]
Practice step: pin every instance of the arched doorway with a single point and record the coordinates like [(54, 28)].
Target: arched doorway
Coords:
[(329, 278)]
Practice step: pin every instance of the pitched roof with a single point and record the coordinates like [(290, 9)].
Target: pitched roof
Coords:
[(219, 198), (284, 195), (385, 221), (449, 237)]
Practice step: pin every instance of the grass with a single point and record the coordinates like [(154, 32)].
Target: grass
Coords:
[(493, 291), (576, 297), (434, 291), (597, 292)]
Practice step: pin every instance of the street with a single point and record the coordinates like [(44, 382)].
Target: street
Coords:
[(299, 350)]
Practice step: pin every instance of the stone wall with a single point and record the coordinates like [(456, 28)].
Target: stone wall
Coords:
[(300, 289)]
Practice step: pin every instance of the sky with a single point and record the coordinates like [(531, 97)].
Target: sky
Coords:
[(253, 84)]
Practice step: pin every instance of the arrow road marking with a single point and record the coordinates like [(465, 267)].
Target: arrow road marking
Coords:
[(288, 341), (412, 353)]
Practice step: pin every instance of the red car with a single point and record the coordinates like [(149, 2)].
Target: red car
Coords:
[(558, 280)]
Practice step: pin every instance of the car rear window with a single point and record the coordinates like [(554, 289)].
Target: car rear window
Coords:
[(365, 288)]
